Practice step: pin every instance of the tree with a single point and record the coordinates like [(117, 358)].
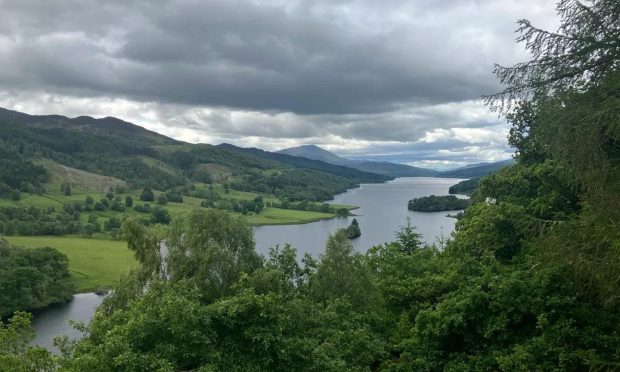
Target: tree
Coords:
[(67, 190), (15, 352), (112, 223), (407, 239), (212, 249), (162, 199), (128, 201), (32, 278), (583, 52), (571, 86), (353, 230), (15, 196), (342, 212), (147, 194), (161, 215), (342, 273), (434, 203)]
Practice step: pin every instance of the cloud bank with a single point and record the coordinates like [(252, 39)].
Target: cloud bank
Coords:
[(392, 79)]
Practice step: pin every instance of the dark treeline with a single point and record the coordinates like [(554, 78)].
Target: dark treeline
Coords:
[(254, 206), (465, 187), (31, 279), (436, 203), (33, 221), (295, 184), (38, 221), (17, 173), (305, 205)]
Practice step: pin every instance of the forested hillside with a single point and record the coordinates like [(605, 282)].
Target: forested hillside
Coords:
[(115, 148), (528, 282)]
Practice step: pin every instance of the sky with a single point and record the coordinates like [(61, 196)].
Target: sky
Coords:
[(396, 80)]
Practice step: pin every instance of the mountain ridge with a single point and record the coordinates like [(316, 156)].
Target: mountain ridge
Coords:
[(380, 167), (394, 169), (115, 148)]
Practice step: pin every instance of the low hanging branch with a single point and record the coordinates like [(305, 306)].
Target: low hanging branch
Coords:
[(584, 50)]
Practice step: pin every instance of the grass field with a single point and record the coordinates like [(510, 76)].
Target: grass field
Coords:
[(94, 263), (276, 216)]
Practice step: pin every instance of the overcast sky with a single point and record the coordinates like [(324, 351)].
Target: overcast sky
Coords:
[(392, 80)]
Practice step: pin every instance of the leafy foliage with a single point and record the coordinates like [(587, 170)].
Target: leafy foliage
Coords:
[(353, 230), (464, 187), (434, 203), (32, 278), (15, 353)]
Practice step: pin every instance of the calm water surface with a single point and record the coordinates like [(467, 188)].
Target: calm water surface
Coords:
[(54, 320), (382, 211)]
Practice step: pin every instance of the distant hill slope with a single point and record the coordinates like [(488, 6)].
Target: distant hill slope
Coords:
[(316, 153), (128, 153), (303, 162), (106, 127), (476, 170), (385, 168), (394, 169)]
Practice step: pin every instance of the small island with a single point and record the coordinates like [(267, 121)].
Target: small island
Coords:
[(436, 203), (353, 231)]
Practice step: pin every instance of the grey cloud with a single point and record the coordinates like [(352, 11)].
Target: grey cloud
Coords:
[(370, 79), (302, 57)]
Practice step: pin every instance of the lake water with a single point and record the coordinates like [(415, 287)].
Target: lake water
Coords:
[(54, 320), (382, 211)]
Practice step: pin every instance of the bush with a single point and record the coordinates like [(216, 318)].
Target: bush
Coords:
[(162, 199), (116, 206), (175, 198), (147, 194), (161, 215), (144, 208)]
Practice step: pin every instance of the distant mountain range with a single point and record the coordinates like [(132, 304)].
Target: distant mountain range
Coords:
[(384, 168), (476, 170), (393, 169)]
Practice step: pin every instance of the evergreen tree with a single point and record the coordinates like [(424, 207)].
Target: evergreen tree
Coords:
[(147, 194)]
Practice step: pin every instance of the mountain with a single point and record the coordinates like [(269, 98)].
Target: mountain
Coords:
[(476, 170), (393, 169), (109, 127), (302, 162), (317, 153), (38, 151), (380, 167)]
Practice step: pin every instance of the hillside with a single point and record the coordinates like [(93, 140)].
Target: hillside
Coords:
[(114, 148), (108, 127), (380, 167), (393, 169), (476, 170), (317, 153)]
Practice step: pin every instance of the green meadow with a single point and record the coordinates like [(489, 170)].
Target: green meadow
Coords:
[(94, 263)]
